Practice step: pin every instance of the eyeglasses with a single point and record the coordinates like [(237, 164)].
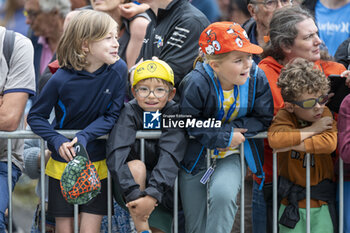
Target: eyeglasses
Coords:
[(144, 92), (31, 14), (310, 103), (272, 4)]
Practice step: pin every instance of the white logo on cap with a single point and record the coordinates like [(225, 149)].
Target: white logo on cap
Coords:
[(209, 50), (230, 31), (239, 42), (216, 45), (245, 34)]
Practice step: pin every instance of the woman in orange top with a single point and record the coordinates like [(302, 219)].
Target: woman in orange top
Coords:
[(293, 33)]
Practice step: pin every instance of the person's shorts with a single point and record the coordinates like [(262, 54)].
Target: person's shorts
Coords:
[(59, 207)]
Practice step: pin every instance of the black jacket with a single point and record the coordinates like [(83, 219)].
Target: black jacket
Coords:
[(250, 27), (324, 191), (343, 53), (162, 157), (173, 36)]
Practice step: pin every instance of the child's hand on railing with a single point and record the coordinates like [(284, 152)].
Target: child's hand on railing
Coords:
[(237, 137)]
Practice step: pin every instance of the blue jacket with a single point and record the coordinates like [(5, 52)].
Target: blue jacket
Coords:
[(200, 99), (90, 102)]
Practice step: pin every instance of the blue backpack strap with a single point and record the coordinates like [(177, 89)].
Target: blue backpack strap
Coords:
[(8, 45), (255, 74), (251, 149)]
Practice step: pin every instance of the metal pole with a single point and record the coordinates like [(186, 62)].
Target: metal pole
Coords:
[(308, 189), (42, 185), (208, 165), (9, 180), (242, 183), (176, 196), (142, 144), (341, 195), (110, 202), (76, 218), (274, 186)]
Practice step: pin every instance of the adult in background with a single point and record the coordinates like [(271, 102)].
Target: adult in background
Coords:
[(76, 4), (238, 11), (342, 55), (17, 82), (258, 26), (209, 7), (293, 33), (46, 20), (172, 35), (333, 22), (11, 16)]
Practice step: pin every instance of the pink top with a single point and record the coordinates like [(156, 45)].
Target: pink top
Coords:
[(46, 54)]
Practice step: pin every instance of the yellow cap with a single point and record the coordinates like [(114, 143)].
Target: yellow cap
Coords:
[(153, 69)]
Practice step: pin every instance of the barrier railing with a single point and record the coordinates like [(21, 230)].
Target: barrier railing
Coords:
[(143, 135)]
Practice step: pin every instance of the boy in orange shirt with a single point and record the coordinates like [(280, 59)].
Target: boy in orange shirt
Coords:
[(304, 125)]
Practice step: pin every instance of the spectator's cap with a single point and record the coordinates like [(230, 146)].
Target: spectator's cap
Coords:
[(80, 182), (224, 37), (153, 69)]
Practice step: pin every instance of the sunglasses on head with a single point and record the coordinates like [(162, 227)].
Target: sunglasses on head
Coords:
[(310, 103)]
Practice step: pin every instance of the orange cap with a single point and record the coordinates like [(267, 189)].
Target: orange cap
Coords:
[(223, 37)]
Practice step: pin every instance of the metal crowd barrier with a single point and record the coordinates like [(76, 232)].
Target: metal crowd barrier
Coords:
[(142, 135), (308, 194)]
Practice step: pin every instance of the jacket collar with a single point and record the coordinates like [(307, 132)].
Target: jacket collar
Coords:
[(95, 74), (162, 13)]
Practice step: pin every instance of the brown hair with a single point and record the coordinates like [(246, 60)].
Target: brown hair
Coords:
[(300, 76), (283, 31)]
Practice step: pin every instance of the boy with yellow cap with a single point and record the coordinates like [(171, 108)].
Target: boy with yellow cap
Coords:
[(146, 184)]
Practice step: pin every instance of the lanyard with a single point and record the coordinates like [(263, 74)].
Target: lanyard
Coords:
[(221, 98), (231, 109)]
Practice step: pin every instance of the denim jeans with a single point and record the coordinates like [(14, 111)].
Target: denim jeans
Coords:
[(259, 210), (224, 185), (4, 194)]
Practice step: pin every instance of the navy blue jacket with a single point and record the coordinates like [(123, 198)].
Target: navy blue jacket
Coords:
[(90, 102), (200, 99)]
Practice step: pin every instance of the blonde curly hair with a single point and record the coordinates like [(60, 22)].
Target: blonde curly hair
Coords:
[(301, 76)]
